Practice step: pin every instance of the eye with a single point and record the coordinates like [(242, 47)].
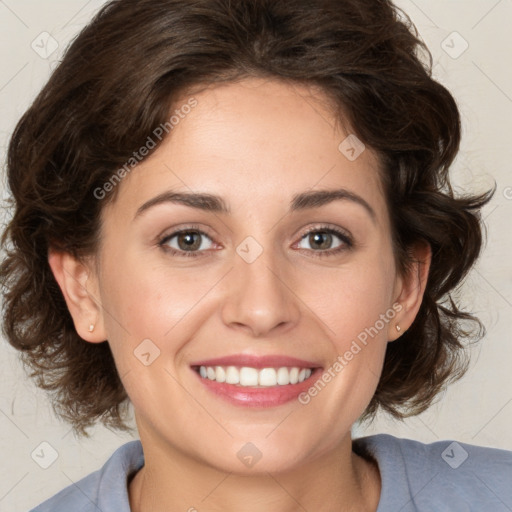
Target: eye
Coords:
[(321, 240), (186, 242), (191, 242)]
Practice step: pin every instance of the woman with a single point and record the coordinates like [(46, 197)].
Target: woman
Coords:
[(238, 217)]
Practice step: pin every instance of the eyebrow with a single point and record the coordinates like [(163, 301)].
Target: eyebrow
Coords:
[(215, 204)]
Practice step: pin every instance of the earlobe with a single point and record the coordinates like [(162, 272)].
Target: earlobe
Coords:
[(79, 289), (411, 289)]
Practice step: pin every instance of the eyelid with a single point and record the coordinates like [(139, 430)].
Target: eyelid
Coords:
[(180, 228), (329, 228)]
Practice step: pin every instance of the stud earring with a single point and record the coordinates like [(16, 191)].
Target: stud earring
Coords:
[(398, 328), (91, 327)]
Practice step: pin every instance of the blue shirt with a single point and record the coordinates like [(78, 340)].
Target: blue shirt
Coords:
[(445, 476)]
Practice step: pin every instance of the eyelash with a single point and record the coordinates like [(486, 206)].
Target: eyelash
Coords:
[(345, 238)]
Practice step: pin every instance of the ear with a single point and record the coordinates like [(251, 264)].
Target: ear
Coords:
[(409, 289), (79, 285)]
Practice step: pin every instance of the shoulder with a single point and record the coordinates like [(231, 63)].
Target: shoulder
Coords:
[(105, 489), (442, 476)]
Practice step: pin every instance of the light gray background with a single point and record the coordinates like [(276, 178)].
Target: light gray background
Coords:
[(476, 410)]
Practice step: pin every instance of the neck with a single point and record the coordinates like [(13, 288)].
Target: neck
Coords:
[(339, 480)]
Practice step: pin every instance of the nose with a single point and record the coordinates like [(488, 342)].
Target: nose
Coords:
[(259, 297)]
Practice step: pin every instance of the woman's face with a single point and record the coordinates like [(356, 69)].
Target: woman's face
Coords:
[(248, 287)]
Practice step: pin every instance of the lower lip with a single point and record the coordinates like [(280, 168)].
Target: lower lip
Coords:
[(271, 396)]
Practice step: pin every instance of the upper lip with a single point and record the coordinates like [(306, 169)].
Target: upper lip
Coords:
[(254, 361)]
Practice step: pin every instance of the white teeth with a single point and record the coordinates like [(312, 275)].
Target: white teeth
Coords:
[(247, 376), (267, 377), (232, 375), (283, 376), (220, 374)]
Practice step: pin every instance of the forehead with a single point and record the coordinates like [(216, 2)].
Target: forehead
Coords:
[(254, 142)]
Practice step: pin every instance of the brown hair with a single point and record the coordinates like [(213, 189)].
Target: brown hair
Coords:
[(118, 81)]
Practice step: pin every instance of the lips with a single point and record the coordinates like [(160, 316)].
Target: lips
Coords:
[(258, 362), (256, 381)]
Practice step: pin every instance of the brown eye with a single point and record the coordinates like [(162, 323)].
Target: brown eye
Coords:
[(186, 242), (189, 241), (322, 240)]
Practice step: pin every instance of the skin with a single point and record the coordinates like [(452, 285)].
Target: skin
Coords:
[(256, 143)]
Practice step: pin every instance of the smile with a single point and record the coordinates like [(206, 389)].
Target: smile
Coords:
[(256, 381), (254, 377)]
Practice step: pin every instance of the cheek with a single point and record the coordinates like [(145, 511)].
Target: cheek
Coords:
[(142, 300), (354, 303), (352, 298)]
